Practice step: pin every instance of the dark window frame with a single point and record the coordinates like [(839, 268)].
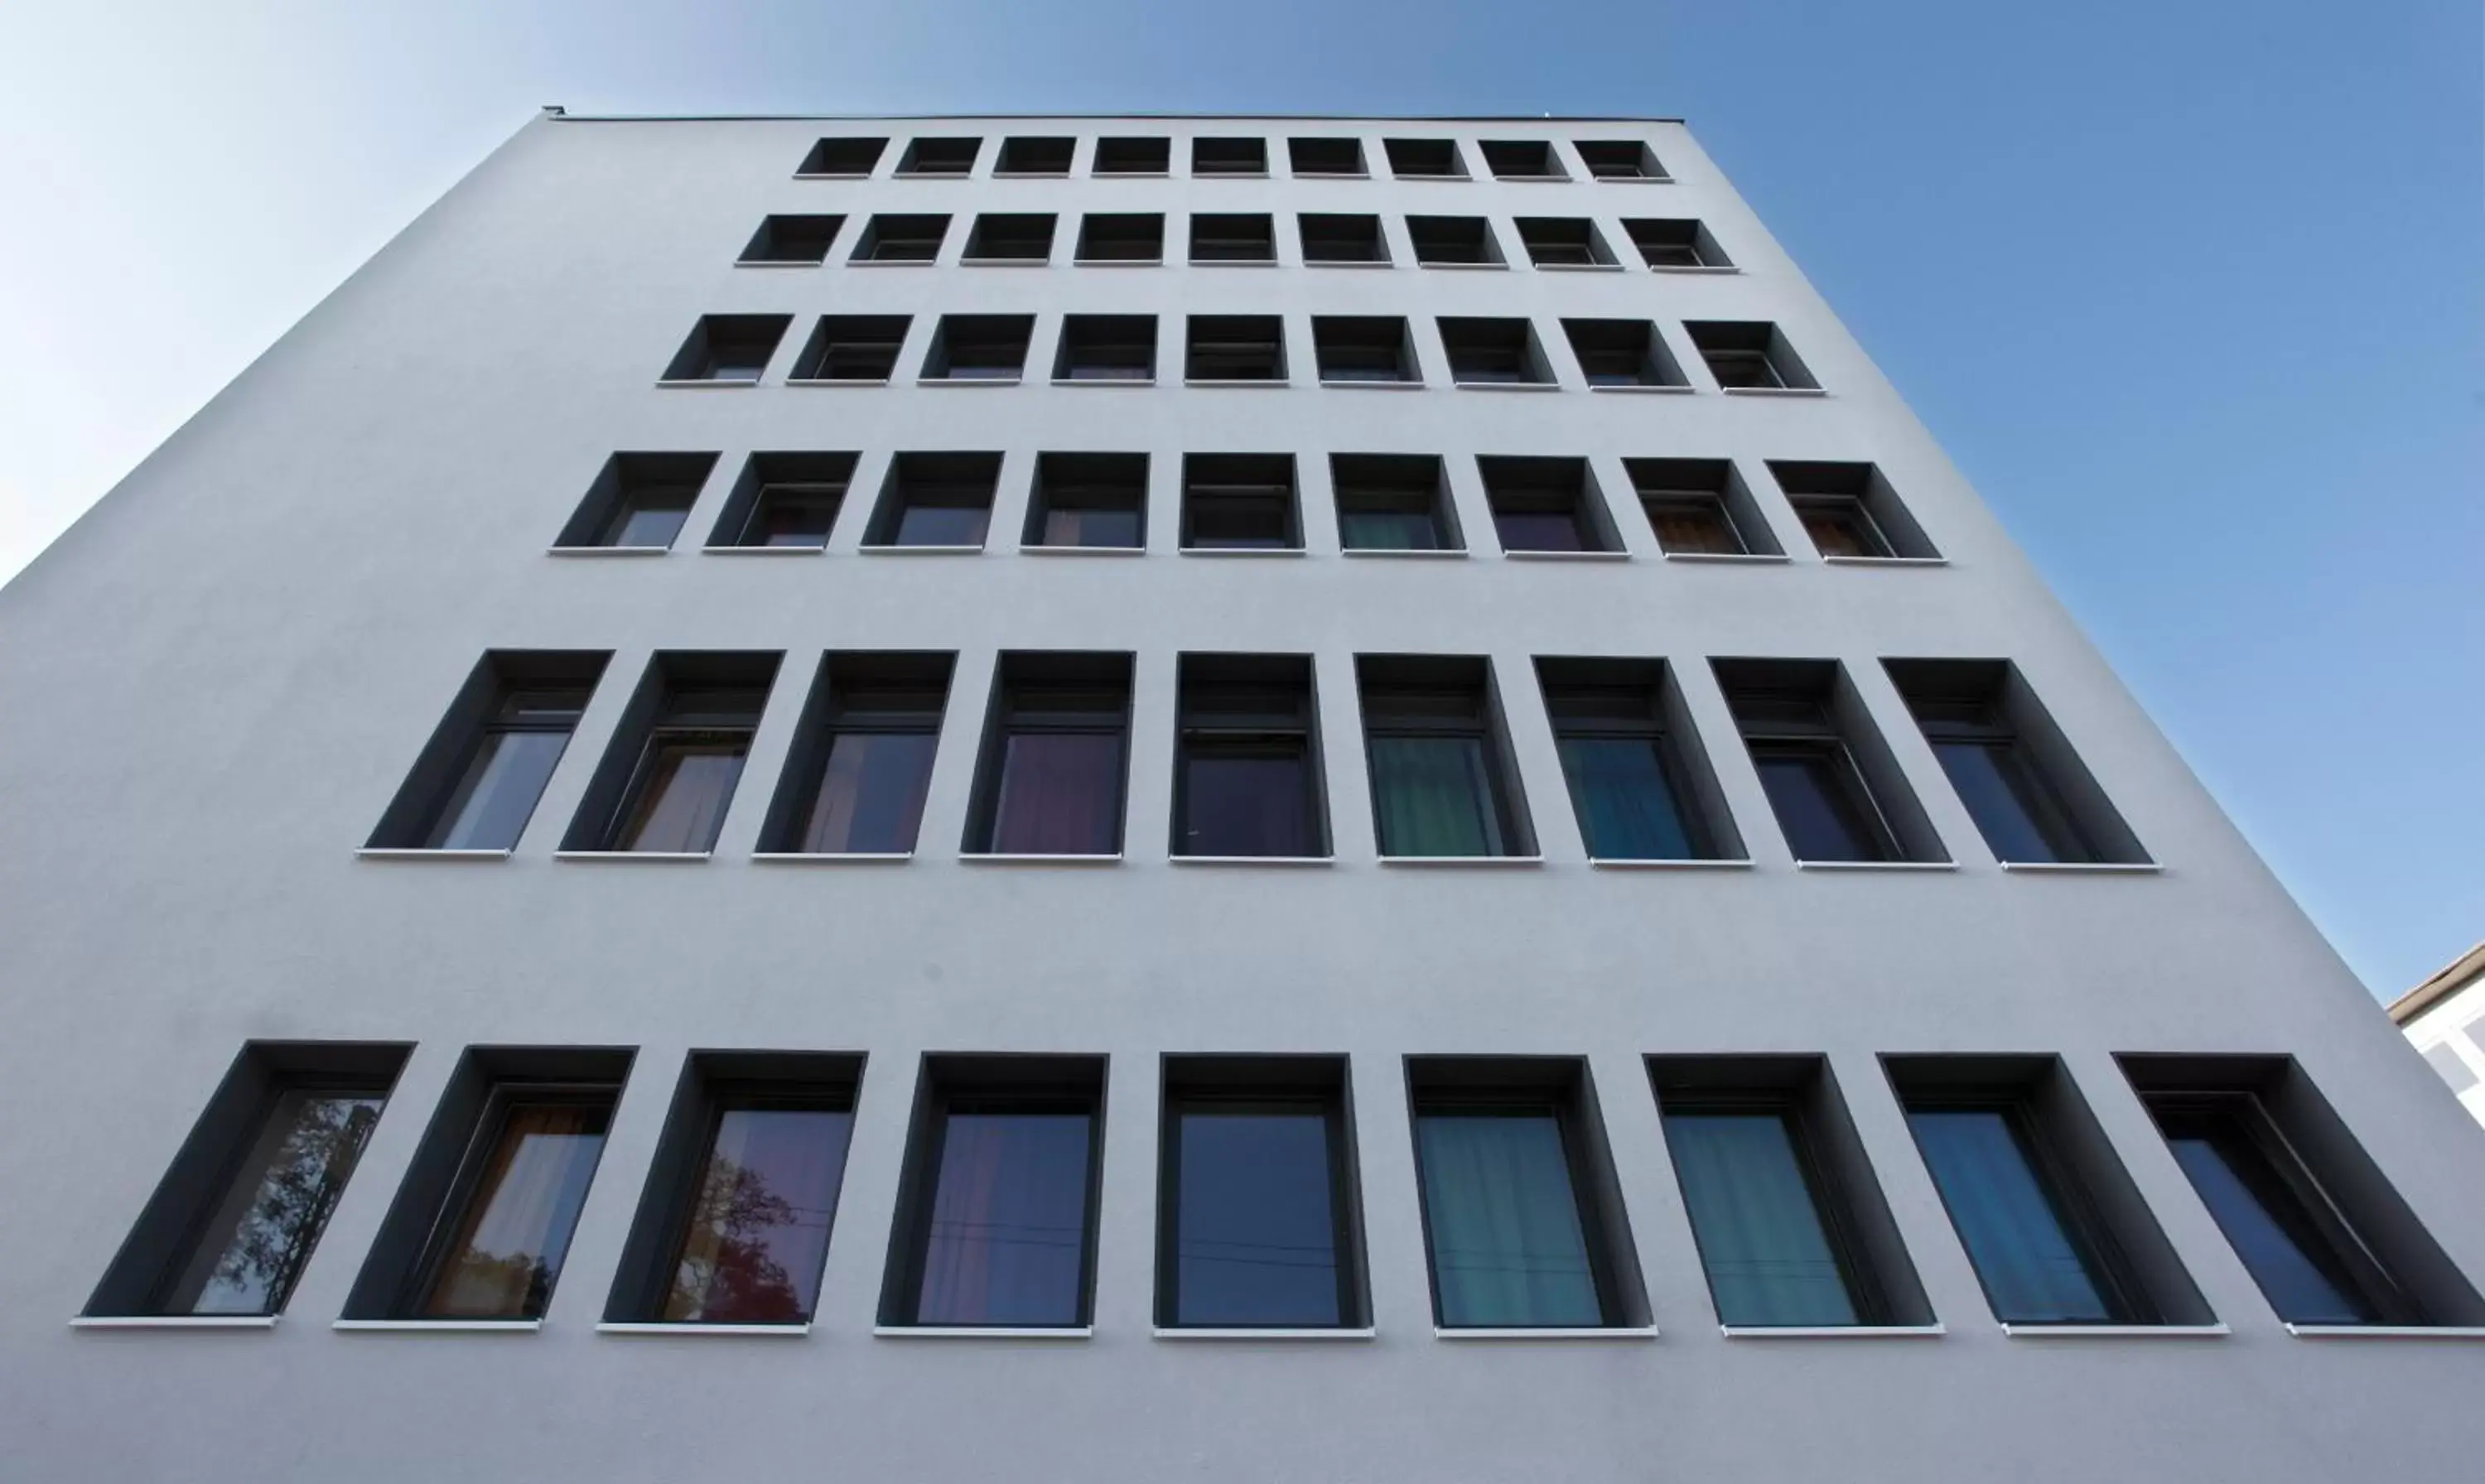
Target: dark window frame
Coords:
[(768, 247), (839, 337), (1274, 1084), (1038, 692), (1572, 701), (1401, 480), (1002, 237), (424, 806), (1110, 481), (1112, 239), (1210, 695), (1215, 483), (1259, 244), (1409, 700), (847, 151), (1007, 164), (1219, 343), (440, 1244), (854, 693)]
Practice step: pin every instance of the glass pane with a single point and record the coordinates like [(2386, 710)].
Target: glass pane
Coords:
[(1807, 789), (1255, 1236), (1760, 1231), (1694, 525), (1539, 531), (492, 803), (2269, 1224), (1625, 802), (1388, 531), (1091, 528), (1434, 797), (759, 1228), (516, 1227), (1839, 531), (253, 1248), (2008, 1218), (871, 793), (942, 526), (1508, 1249), (1061, 795), (1245, 801), (1993, 781), (683, 793), (644, 525), (1009, 1221)]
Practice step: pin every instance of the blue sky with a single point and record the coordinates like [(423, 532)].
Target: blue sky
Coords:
[(2190, 290)]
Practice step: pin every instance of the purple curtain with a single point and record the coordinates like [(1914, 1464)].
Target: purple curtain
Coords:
[(1061, 795)]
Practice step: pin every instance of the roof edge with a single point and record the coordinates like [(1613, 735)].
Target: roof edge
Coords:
[(556, 111), (2447, 981)]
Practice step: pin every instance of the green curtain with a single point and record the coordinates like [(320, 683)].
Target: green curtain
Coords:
[(1508, 1247), (1761, 1235), (1434, 797)]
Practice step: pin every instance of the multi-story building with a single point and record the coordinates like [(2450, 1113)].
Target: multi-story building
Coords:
[(2444, 1018), (1212, 798)]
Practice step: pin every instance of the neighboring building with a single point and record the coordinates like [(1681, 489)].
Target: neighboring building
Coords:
[(1215, 800), (2444, 1018)]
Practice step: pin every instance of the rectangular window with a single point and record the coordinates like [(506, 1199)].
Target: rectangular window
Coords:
[(1256, 1222), (1325, 157), (853, 348), (733, 1223), (997, 1214), (1055, 748), (1248, 764), (1234, 347), (235, 1218), (1442, 783), (479, 778), (1792, 1228), (728, 349), (1633, 761), (1363, 348), (1240, 502), (2314, 1220), (2028, 791), (798, 241), (1563, 242), (1046, 154), (1106, 348), (843, 158), (1331, 238), (1393, 503), (1619, 159), (1521, 160), (1522, 1223), (951, 156), (483, 1220), (1546, 504), (1749, 356), (1232, 240), (638, 501), (1850, 512), (1128, 155), (937, 502), (1133, 237), (1424, 159), (784, 502), (979, 347), (1699, 508), (1088, 502), (1015, 237), (1670, 244), (861, 761), (1210, 156), (1624, 353), (668, 775), (1494, 352), (1837, 794), (1453, 241), (893, 238)]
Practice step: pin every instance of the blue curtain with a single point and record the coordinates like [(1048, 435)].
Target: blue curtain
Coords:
[(1009, 1222), (1625, 802), (1760, 1234), (2032, 1268), (1509, 1249), (1434, 797)]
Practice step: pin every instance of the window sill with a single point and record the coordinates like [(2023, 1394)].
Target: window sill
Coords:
[(1833, 1331), (1229, 174), (2083, 868), (778, 263), (1130, 174), (1030, 174), (1234, 262), (1289, 1337), (1398, 554), (1885, 561), (1640, 1332), (1104, 380), (650, 857), (1774, 391), (1506, 386), (920, 550), (417, 852), (836, 381), (1669, 391), (709, 1330), (173, 1322), (830, 857), (1466, 268), (1630, 180), (1566, 556), (608, 551), (832, 174), (1577, 268), (1693, 268), (1345, 262), (1117, 263), (1236, 381), (1691, 863), (1244, 551), (822, 550), (1876, 865), (1531, 179), (1082, 551), (2116, 1331), (1727, 557), (712, 384), (2386, 1331), (1004, 262), (979, 1332), (1253, 860), (440, 1325), (1350, 385), (971, 380), (1008, 858), (1332, 175), (892, 262), (1462, 862)]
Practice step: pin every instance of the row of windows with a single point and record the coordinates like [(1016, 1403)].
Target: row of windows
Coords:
[(1241, 350), (1327, 239), (1329, 156), (1051, 767), (1386, 504), (1259, 1193)]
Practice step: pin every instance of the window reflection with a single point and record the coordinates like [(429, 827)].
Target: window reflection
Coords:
[(757, 1230), (253, 1248), (536, 1158)]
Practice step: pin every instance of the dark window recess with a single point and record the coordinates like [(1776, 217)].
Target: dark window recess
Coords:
[(784, 501), (733, 1223), (852, 347), (240, 1213), (1836, 793), (861, 762), (669, 773), (1218, 156), (1024, 237), (1257, 1223), (1849, 510), (1393, 503), (935, 500), (1041, 154), (1749, 356), (1247, 768), (1669, 242), (979, 347), (846, 156), (1619, 159), (477, 779), (1055, 751), (1232, 240), (1128, 155), (1234, 347), (1091, 501), (728, 348), (1452, 241), (1622, 353), (1494, 352), (1523, 1224), (1338, 238), (1563, 242), (1521, 160), (950, 157), (793, 239), (1790, 1224), (1325, 156), (1546, 505), (2026, 789), (1363, 348), (2053, 1226), (1424, 159), (1128, 237), (889, 238), (638, 500), (1240, 501), (1442, 782), (1699, 508), (1107, 347), (482, 1222), (996, 1209), (2315, 1220), (1631, 760)]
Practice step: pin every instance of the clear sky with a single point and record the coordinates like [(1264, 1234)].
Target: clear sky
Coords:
[(2190, 290)]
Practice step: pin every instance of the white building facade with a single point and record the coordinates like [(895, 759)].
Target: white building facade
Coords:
[(2445, 1019)]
